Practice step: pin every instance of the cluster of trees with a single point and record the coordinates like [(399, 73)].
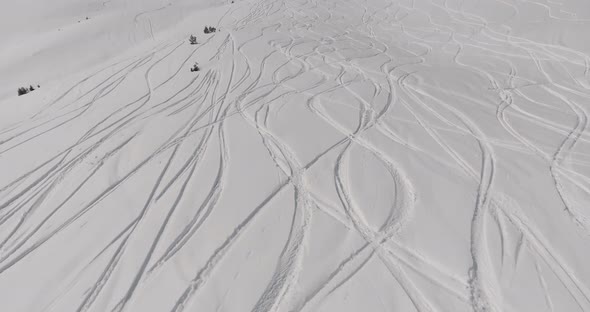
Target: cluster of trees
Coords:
[(25, 90), (210, 29), (193, 40)]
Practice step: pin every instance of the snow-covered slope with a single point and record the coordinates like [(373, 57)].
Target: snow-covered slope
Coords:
[(331, 155)]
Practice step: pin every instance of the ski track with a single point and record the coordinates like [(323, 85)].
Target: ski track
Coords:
[(361, 69)]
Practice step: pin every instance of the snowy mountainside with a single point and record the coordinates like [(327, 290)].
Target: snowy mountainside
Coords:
[(328, 156)]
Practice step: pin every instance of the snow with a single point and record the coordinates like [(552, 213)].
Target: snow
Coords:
[(329, 155)]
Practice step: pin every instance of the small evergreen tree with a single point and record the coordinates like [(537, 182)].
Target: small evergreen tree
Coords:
[(31, 88), (206, 30), (192, 39), (22, 91)]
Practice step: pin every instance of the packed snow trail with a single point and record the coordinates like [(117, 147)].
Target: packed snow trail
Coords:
[(331, 155)]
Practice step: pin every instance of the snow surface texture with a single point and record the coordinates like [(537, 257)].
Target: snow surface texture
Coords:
[(331, 155)]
